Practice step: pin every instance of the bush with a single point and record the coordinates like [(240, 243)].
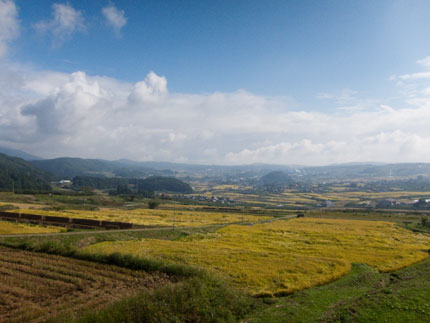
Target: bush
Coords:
[(153, 204), (198, 299)]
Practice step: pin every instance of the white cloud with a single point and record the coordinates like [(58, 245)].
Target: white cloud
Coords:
[(57, 114), (150, 90), (65, 22), (9, 25), (424, 62), (414, 76), (114, 17)]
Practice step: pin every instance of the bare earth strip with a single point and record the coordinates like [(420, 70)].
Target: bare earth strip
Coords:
[(35, 287)]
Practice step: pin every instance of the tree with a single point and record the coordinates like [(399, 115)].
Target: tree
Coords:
[(152, 204)]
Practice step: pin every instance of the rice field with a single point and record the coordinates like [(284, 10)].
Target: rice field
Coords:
[(290, 198), (286, 256), (36, 287), (155, 217), (19, 228)]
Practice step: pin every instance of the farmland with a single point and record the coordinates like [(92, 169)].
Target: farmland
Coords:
[(302, 252), (39, 286), (151, 217), (17, 228), (338, 195), (250, 249)]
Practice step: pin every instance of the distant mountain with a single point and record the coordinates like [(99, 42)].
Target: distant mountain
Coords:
[(21, 176), (18, 153), (158, 183), (247, 174), (67, 167), (276, 178), (364, 171)]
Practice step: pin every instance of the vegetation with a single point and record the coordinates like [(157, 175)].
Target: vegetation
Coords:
[(152, 204), (20, 176), (364, 295), (100, 183), (70, 167), (35, 286), (276, 181), (153, 217), (302, 252), (19, 228), (199, 299), (158, 183)]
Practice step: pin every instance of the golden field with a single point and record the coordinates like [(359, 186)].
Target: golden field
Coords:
[(285, 256), (154, 217), (339, 195), (18, 228)]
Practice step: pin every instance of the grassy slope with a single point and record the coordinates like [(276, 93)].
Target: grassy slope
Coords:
[(364, 295), (196, 297)]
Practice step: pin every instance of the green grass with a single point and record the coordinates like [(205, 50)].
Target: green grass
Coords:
[(88, 237), (198, 299), (364, 295), (196, 296)]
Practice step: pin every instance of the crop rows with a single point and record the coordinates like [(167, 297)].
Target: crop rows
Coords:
[(155, 217), (40, 286)]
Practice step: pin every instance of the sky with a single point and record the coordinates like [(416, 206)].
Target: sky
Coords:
[(217, 82)]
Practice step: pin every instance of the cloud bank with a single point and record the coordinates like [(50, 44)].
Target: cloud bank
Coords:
[(52, 114), (55, 114)]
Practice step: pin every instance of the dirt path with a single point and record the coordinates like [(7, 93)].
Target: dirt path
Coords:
[(129, 230)]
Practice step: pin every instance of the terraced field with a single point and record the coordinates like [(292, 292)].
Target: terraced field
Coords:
[(18, 228), (286, 256), (155, 217), (339, 196), (40, 286)]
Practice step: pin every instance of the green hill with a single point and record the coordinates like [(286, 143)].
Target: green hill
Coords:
[(22, 177), (276, 178), (158, 183)]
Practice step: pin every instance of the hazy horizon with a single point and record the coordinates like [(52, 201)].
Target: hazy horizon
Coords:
[(228, 83)]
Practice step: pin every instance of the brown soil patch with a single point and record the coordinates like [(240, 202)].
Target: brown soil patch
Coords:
[(35, 287)]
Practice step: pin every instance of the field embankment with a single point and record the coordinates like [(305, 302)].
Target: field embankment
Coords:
[(364, 295), (285, 256)]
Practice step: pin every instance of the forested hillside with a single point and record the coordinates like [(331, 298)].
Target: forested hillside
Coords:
[(21, 176)]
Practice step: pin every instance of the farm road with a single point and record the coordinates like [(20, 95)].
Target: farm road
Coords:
[(128, 230)]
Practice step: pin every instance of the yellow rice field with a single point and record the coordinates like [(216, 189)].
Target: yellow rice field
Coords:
[(286, 256), (18, 228), (155, 217)]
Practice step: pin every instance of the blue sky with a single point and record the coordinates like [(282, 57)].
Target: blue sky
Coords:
[(295, 48), (312, 63)]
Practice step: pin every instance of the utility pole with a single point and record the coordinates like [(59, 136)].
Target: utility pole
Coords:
[(174, 216)]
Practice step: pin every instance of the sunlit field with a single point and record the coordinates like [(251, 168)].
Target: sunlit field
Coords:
[(286, 256), (18, 228), (338, 195), (155, 217)]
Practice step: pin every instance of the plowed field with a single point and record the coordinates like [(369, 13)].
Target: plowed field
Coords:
[(35, 287)]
